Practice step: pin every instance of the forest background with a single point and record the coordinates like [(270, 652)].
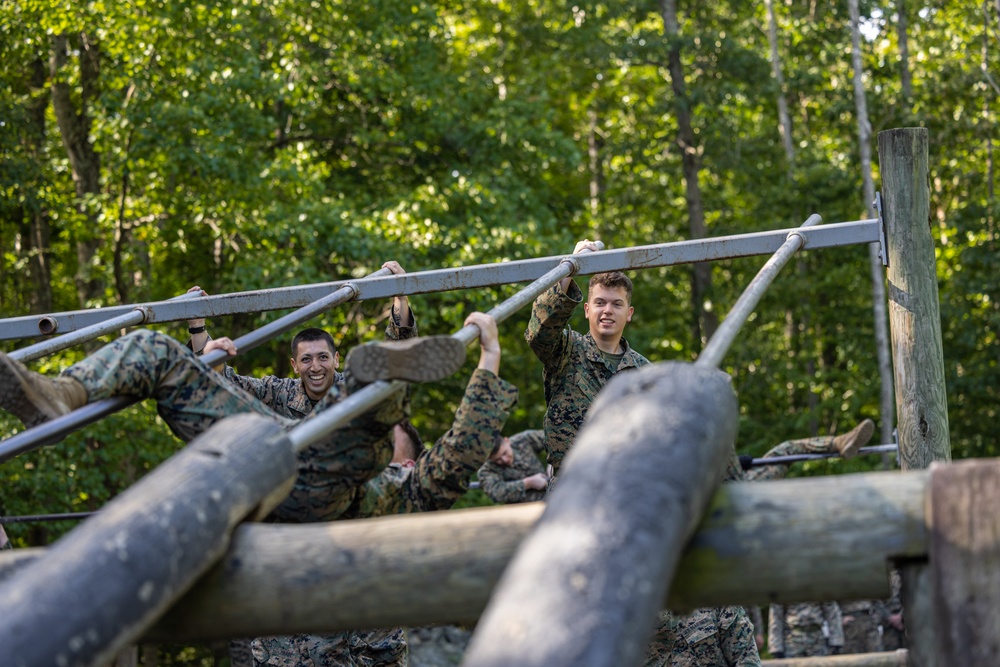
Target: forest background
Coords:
[(148, 146)]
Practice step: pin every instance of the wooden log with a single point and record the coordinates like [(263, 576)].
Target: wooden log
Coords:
[(585, 585), (440, 567), (104, 583), (888, 659), (914, 312), (965, 562)]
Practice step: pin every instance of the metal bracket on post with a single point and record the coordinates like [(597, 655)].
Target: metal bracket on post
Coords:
[(882, 248)]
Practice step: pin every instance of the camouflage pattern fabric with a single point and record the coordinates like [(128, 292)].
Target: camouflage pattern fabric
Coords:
[(287, 396), (440, 477), (892, 638), (503, 483), (861, 632), (191, 397), (805, 629), (720, 637), (573, 368), (821, 444)]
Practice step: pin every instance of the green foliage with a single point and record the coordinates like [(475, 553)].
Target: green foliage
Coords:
[(248, 145)]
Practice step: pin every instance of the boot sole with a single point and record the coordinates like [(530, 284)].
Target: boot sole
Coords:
[(425, 359), (17, 395), (865, 431)]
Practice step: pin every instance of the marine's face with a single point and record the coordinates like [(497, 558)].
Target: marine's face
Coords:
[(504, 456), (316, 364), (608, 311)]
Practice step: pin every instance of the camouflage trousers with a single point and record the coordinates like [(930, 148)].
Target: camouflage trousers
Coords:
[(704, 638), (818, 445), (360, 648), (861, 631), (191, 397)]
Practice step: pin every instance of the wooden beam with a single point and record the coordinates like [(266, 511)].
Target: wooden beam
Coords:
[(887, 659), (104, 583), (441, 567), (585, 585)]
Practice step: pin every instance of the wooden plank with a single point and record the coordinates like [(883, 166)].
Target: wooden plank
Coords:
[(965, 562), (887, 659)]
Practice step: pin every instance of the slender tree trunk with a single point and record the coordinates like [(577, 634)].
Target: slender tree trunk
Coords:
[(784, 120), (74, 126), (904, 50), (595, 143), (888, 398), (705, 321), (37, 244)]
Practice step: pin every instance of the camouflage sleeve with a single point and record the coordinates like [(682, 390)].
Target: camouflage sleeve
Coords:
[(442, 475), (757, 620), (535, 438), (259, 388), (738, 646), (835, 621), (776, 629), (549, 315), (499, 490), (395, 331)]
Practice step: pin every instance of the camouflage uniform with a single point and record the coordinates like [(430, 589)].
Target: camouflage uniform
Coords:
[(191, 397), (720, 637), (821, 444), (503, 484), (805, 629), (892, 639), (440, 477), (574, 368), (861, 633)]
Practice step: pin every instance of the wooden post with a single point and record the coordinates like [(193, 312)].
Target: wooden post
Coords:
[(914, 314), (104, 583), (917, 350), (585, 585), (965, 562)]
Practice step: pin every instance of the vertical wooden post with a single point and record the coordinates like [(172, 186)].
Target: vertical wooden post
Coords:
[(917, 350), (914, 314)]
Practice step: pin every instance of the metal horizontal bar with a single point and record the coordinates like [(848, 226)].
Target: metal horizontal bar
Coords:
[(795, 458), (444, 280), (31, 518)]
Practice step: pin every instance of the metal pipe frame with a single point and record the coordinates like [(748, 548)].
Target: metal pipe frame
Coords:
[(444, 280)]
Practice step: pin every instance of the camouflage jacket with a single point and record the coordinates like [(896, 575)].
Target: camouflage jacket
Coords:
[(573, 368), (503, 483), (720, 637), (804, 628), (287, 396), (442, 474)]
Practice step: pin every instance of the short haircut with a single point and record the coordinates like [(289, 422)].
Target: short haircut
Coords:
[(612, 280), (497, 442), (417, 445), (310, 335)]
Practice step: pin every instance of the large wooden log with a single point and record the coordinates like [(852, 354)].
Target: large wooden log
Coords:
[(914, 313), (440, 567), (104, 583), (887, 659), (585, 585)]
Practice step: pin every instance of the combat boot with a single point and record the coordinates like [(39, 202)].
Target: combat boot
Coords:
[(34, 398), (423, 359), (849, 443)]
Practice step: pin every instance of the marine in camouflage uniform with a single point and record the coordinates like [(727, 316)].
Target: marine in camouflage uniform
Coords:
[(861, 626), (805, 629), (433, 482), (721, 637), (574, 368), (505, 484)]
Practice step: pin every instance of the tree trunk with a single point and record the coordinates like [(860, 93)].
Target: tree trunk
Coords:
[(784, 120), (74, 126), (904, 50), (887, 400), (705, 321), (595, 142), (37, 245)]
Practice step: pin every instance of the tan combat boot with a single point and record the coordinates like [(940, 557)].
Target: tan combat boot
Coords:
[(34, 398), (849, 443), (424, 359)]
